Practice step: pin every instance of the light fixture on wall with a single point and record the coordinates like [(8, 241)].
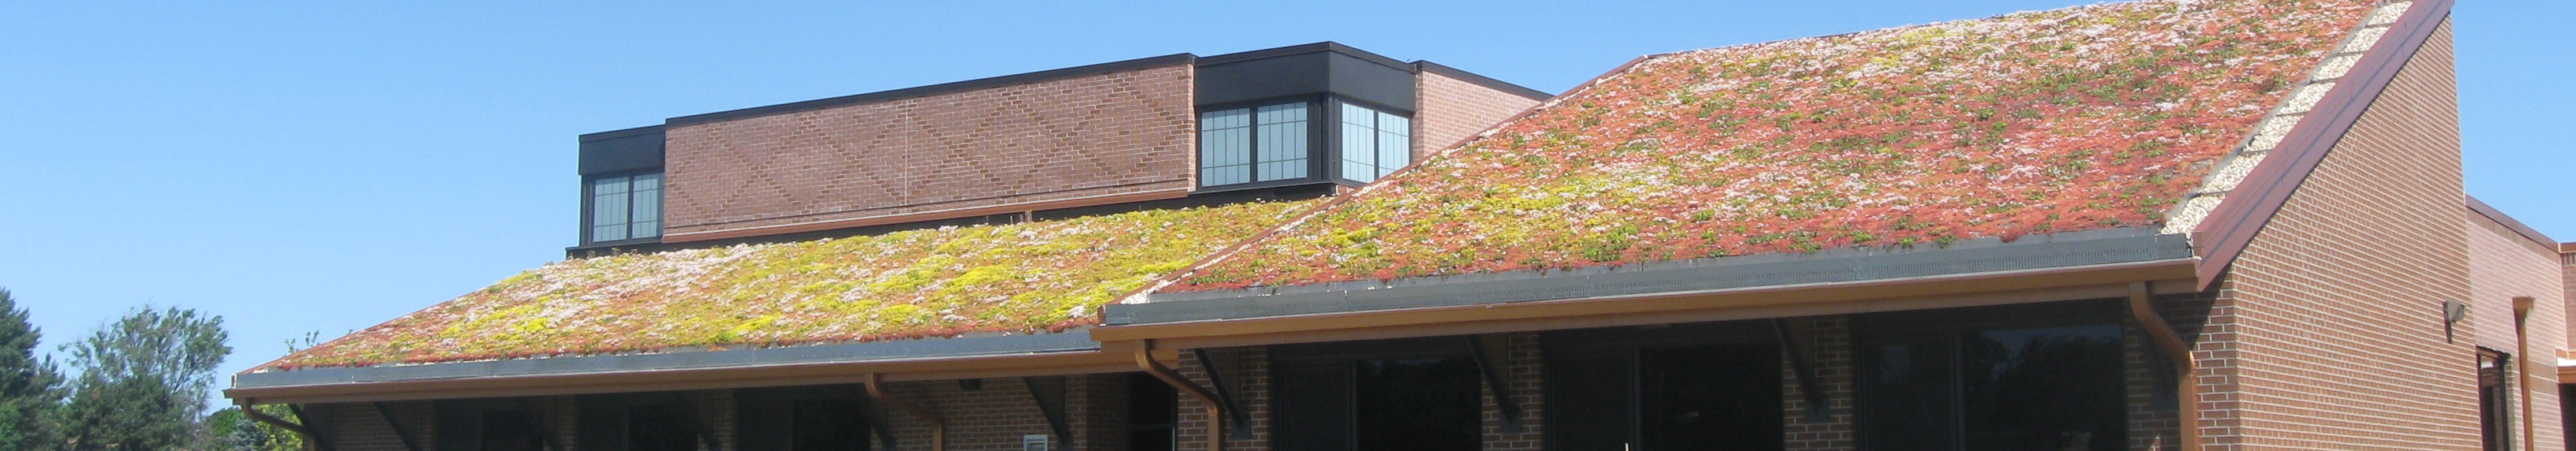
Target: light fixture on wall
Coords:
[(2452, 313)]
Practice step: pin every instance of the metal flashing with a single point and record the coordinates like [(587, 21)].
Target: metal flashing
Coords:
[(2097, 247), (2491, 213), (1326, 46), (942, 88), (1071, 341)]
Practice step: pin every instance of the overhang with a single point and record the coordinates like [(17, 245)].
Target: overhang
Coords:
[(1071, 352), (2076, 265)]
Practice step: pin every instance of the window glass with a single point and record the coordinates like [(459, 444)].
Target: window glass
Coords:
[(609, 204), (510, 430), (1225, 147), (1153, 408), (827, 425), (1417, 405), (1374, 143), (1723, 397), (2004, 388), (661, 428), (646, 215), (1282, 141)]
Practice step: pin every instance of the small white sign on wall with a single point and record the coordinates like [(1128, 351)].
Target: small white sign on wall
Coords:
[(1033, 442)]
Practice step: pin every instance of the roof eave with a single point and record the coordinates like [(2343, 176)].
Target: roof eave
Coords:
[(2078, 265), (937, 359)]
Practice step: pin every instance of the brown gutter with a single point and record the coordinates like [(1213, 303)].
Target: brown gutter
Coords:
[(311, 441), (2522, 355), (2232, 225), (2142, 304), (938, 424), (1215, 410)]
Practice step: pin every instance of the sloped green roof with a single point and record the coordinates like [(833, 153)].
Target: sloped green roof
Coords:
[(1027, 278), (2092, 117)]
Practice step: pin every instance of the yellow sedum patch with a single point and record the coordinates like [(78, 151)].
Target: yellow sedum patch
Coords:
[(1025, 278)]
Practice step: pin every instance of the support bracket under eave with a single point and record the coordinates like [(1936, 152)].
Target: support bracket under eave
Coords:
[(312, 429), (299, 429), (876, 424), (938, 423), (387, 412), (1496, 385), (1235, 429), (1819, 406), (1049, 393)]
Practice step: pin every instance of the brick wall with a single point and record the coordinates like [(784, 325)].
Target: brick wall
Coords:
[(1828, 345), (1247, 372), (1117, 133), (992, 418), (1521, 365), (2567, 263), (1451, 110), (360, 427), (2326, 333), (2503, 264)]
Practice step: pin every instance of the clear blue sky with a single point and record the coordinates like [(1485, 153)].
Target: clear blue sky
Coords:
[(329, 166)]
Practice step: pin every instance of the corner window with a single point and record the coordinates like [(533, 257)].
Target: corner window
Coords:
[(624, 208), (1374, 142), (1258, 144)]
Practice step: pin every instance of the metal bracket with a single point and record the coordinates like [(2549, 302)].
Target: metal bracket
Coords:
[(876, 424), (1819, 406), (311, 428), (1496, 385), (1233, 429), (1049, 393), (391, 423)]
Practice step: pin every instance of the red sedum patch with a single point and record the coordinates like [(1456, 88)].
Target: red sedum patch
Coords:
[(2085, 118)]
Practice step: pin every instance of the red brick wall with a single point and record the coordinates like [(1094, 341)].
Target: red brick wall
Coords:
[(1247, 372), (1828, 344), (1117, 133), (1451, 110), (1521, 365), (2502, 265), (2327, 332), (989, 419), (2567, 261)]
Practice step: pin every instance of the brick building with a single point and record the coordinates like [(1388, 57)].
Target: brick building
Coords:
[(2226, 224)]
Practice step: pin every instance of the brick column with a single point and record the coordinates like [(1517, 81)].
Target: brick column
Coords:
[(1247, 372), (1827, 342), (1520, 362)]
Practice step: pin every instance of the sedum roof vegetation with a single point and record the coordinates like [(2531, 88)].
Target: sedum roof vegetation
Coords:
[(2091, 117), (1025, 277)]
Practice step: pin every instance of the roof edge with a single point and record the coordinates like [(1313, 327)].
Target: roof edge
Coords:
[(936, 89), (1070, 341), (2232, 224), (620, 133), (2500, 218), (2071, 249), (1481, 80)]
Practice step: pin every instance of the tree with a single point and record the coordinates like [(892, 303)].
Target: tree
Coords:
[(234, 431), (143, 381), (30, 389)]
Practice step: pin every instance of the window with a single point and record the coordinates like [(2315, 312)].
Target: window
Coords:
[(487, 425), (805, 418), (1258, 144), (1386, 395), (1153, 407), (625, 208), (661, 428), (1686, 387), (642, 422), (1374, 142), (2495, 405), (2002, 388)]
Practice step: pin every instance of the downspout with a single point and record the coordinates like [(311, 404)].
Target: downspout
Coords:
[(2186, 408), (2522, 353), (1215, 410), (310, 441), (938, 424)]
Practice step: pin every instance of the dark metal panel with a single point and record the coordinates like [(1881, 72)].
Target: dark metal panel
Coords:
[(841, 353), (623, 150), (1832, 266), (1370, 82), (1481, 80), (1279, 76)]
